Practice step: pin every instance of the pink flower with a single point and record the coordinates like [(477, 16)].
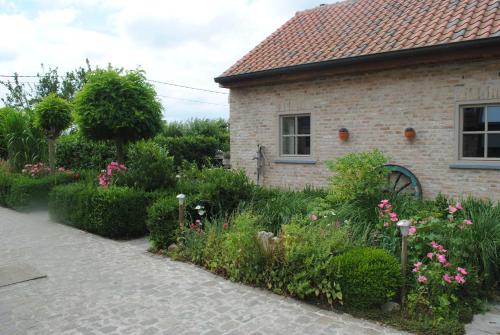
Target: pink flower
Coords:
[(413, 230), (468, 222), (435, 245), (459, 206), (386, 224), (447, 278), (384, 202), (452, 209), (462, 271), (430, 255), (381, 205), (225, 225), (393, 216), (459, 278), (441, 259), (417, 266), (314, 217), (422, 279)]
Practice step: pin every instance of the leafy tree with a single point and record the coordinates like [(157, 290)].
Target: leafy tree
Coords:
[(53, 115), (119, 106), (25, 95)]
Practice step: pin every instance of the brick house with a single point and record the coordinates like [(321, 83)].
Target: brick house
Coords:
[(374, 67)]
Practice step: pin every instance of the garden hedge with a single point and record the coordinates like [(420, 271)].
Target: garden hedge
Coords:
[(163, 222), (22, 193), (115, 212)]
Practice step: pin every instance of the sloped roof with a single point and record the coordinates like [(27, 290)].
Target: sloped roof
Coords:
[(356, 28)]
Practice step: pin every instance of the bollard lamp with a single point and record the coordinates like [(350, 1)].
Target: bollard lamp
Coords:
[(404, 227), (181, 197)]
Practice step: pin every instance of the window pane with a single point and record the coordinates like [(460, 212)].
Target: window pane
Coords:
[(493, 117), (304, 145), (304, 124), (473, 145), (288, 145), (289, 125), (494, 145), (474, 119)]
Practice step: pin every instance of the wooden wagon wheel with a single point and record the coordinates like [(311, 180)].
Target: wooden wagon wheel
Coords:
[(403, 182)]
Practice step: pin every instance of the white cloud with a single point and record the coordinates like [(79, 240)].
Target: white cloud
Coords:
[(186, 42)]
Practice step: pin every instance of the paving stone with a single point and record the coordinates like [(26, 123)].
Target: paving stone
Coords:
[(99, 286)]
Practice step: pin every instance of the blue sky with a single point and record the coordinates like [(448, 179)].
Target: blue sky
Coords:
[(184, 42)]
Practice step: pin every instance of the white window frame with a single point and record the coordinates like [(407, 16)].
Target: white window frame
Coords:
[(296, 135), (484, 132)]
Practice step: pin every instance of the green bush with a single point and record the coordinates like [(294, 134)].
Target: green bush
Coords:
[(218, 129), (150, 167), (76, 152), (308, 249), (276, 207), (22, 193), (219, 190), (357, 175), (241, 256), (116, 212), (368, 277), (196, 149), (163, 222)]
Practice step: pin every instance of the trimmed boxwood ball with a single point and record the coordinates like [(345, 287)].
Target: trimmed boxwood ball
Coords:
[(163, 222), (368, 277)]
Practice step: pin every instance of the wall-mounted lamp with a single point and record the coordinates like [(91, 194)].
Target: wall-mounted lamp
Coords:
[(343, 134), (410, 134)]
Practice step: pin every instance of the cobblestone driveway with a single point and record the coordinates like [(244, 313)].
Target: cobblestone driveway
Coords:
[(99, 286)]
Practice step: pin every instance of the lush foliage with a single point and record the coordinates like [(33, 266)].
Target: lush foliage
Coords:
[(150, 167), (368, 276), (76, 152), (116, 212), (53, 115), (357, 176), (163, 222), (195, 141), (118, 106), (219, 190), (190, 148), (25, 96), (21, 142)]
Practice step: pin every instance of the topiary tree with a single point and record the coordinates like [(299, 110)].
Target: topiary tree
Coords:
[(118, 106), (53, 115)]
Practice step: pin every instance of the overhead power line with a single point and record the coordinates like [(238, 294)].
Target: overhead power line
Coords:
[(190, 100), (150, 80)]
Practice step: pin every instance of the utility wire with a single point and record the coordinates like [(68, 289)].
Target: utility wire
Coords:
[(150, 80), (190, 100)]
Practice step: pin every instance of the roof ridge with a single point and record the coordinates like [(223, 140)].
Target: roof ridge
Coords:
[(326, 5)]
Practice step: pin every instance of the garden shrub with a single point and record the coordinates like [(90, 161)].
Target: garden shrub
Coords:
[(116, 212), (219, 190), (242, 257), (150, 167), (277, 207), (357, 175), (76, 152), (196, 149), (309, 246), (368, 276), (22, 192), (28, 193), (163, 222)]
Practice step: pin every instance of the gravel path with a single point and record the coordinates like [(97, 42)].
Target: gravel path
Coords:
[(99, 286)]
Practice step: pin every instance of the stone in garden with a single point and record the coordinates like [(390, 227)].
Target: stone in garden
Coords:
[(173, 247), (390, 307)]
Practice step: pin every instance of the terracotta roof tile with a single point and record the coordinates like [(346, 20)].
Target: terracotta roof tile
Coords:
[(362, 27)]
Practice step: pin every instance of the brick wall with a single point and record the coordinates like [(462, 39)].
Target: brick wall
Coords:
[(376, 107)]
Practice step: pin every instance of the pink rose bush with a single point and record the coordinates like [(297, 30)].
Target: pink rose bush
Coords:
[(108, 177)]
